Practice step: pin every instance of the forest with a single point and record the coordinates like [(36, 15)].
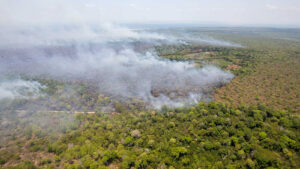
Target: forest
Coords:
[(252, 121)]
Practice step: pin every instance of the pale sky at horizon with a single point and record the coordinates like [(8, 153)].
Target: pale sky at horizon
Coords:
[(231, 12)]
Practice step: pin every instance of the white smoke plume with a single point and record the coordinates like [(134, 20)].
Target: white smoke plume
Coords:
[(50, 35), (106, 55), (19, 89), (81, 34), (191, 35), (206, 40)]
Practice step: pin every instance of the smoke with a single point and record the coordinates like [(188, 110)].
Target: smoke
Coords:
[(19, 89), (72, 40), (77, 34), (81, 34), (116, 59), (191, 35), (206, 40), (107, 56)]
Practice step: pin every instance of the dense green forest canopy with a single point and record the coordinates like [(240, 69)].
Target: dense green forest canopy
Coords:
[(210, 135)]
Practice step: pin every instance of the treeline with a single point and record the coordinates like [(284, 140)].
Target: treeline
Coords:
[(243, 58), (210, 135)]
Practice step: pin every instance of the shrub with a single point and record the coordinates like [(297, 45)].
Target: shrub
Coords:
[(186, 139), (177, 152), (109, 156), (136, 133), (129, 141), (185, 161), (262, 135), (25, 165)]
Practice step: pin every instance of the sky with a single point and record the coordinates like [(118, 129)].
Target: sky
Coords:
[(225, 12)]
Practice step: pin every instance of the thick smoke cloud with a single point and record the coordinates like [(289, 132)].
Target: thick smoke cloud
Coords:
[(108, 56)]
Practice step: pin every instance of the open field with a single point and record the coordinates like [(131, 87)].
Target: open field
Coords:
[(267, 68)]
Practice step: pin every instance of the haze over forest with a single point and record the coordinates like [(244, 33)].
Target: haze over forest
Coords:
[(149, 84)]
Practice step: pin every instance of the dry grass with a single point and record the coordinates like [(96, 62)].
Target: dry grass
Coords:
[(275, 84)]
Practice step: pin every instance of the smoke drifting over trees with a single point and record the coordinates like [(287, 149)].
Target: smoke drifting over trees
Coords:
[(17, 88), (108, 57)]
